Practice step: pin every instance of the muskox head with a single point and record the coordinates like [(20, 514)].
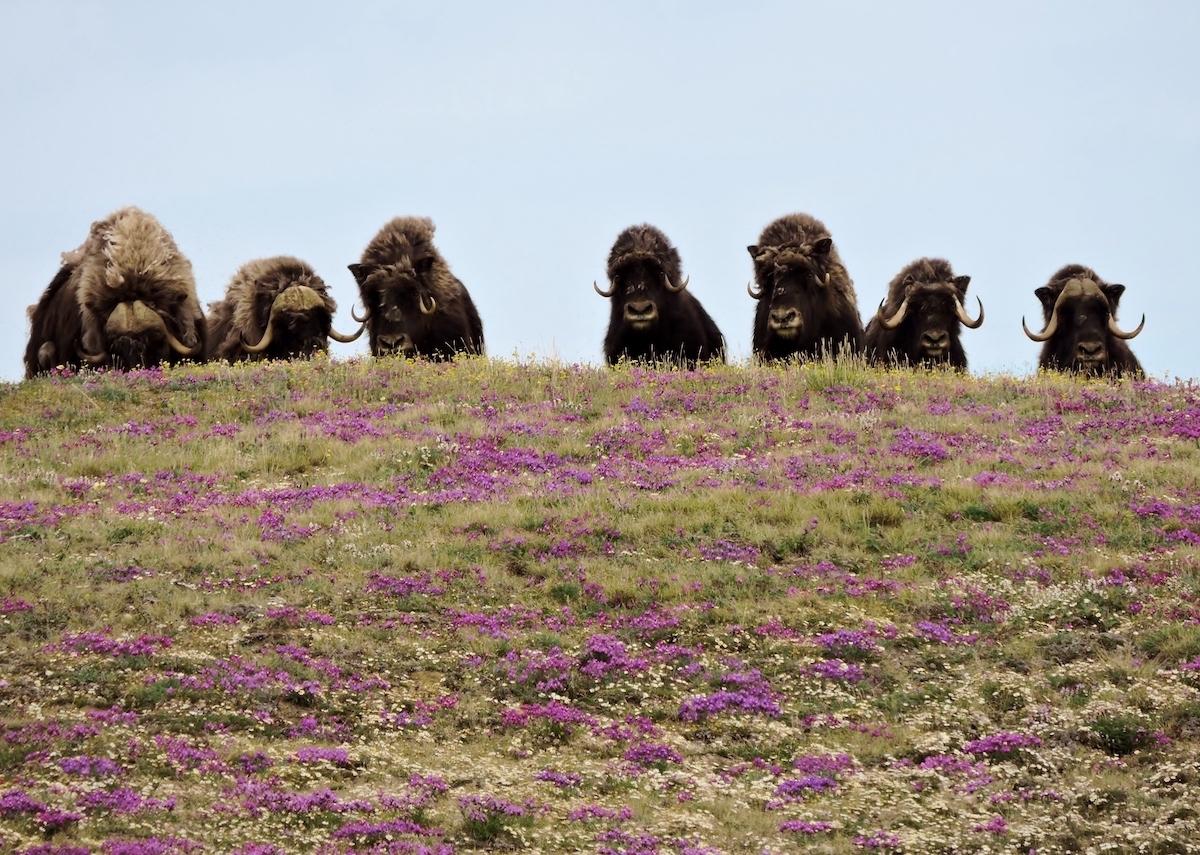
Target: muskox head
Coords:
[(136, 294), (285, 308), (413, 304), (1081, 331), (794, 283), (643, 278), (921, 318)]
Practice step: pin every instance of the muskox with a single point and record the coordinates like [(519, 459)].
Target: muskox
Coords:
[(414, 305), (1081, 332), (806, 303), (921, 319), (125, 298), (274, 308), (654, 317)]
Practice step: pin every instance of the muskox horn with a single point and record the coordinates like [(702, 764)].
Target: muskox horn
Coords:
[(1119, 333), (896, 319), (672, 288), (1051, 327), (265, 341), (95, 359), (137, 317), (757, 295), (357, 319), (612, 290), (432, 305), (346, 339), (965, 318)]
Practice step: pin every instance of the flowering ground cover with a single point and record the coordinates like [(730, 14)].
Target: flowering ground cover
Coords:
[(399, 607)]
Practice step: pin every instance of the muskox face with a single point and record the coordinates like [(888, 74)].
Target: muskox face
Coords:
[(927, 322), (138, 336), (1081, 325), (298, 323), (639, 291), (399, 302), (795, 290)]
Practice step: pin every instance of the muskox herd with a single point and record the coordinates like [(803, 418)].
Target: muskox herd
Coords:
[(126, 298)]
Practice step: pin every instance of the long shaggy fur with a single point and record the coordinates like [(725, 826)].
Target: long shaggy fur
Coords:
[(393, 260), (684, 331), (901, 346), (833, 312), (255, 286), (127, 256)]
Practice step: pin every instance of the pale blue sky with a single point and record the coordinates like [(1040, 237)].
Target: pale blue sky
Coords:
[(1010, 138)]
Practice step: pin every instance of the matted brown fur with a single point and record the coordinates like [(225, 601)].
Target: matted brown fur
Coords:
[(237, 316), (403, 238)]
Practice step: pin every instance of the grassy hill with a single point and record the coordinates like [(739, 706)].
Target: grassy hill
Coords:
[(398, 607)]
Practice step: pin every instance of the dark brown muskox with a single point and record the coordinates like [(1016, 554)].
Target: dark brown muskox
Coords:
[(1081, 332), (274, 308), (806, 302), (654, 318), (921, 319), (414, 305), (125, 298)]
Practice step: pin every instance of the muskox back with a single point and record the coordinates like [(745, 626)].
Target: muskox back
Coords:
[(806, 301), (126, 297), (920, 321), (274, 308), (414, 305), (654, 318), (1080, 332)]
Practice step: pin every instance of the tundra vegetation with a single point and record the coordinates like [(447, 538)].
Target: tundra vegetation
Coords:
[(411, 606)]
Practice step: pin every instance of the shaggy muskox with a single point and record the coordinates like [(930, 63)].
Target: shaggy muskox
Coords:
[(1081, 332), (414, 305), (654, 317), (274, 308), (806, 303), (125, 298), (921, 319)]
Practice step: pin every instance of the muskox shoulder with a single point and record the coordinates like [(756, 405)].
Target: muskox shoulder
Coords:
[(792, 229)]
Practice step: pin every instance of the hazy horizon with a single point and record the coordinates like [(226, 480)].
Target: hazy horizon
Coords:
[(1009, 140)]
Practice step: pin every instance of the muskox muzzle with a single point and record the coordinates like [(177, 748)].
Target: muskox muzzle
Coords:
[(134, 323)]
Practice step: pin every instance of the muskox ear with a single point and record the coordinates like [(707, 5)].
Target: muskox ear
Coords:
[(1113, 292), (753, 250), (1046, 295), (961, 283), (822, 246), (361, 271)]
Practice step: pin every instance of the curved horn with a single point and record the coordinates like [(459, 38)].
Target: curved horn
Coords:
[(1051, 327), (268, 334), (1045, 334), (1119, 333), (346, 339), (672, 288), (612, 290), (357, 319), (965, 318), (178, 346), (95, 359), (896, 319), (757, 295), (432, 305)]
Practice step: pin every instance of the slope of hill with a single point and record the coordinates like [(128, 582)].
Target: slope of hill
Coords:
[(398, 607)]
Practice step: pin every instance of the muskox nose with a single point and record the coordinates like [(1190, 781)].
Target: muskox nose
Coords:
[(784, 318), (640, 309), (1090, 351), (392, 343), (935, 340)]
